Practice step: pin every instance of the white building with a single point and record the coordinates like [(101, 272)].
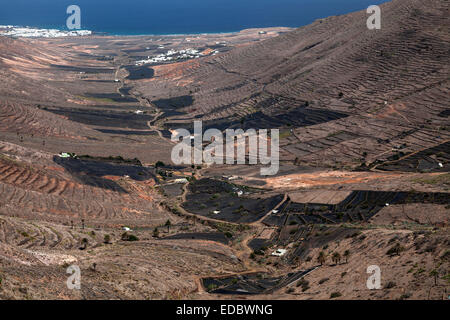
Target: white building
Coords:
[(279, 252)]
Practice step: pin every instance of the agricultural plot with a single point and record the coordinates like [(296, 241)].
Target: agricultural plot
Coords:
[(358, 206), (210, 236), (220, 200), (171, 106), (93, 171), (139, 72), (105, 118), (250, 284), (435, 159)]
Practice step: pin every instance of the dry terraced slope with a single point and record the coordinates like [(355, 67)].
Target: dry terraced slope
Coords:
[(345, 90)]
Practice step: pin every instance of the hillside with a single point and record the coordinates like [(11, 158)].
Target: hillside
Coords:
[(86, 176), (345, 90)]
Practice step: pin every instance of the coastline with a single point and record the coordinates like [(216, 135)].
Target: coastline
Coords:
[(36, 32)]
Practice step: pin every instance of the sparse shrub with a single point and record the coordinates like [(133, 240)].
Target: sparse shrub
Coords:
[(25, 234), (335, 295), (446, 255), (393, 239), (23, 290), (159, 164), (290, 290), (419, 271), (405, 296), (107, 238), (259, 252), (447, 278), (304, 284), (395, 250), (323, 280), (129, 237), (390, 285)]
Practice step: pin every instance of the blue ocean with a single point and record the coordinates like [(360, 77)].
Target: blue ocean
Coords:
[(136, 17)]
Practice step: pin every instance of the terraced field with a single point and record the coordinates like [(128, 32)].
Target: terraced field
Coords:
[(360, 205), (61, 194), (222, 201), (29, 120), (252, 283), (428, 160)]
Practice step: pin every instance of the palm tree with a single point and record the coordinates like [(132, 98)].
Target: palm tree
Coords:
[(168, 224), (434, 273), (322, 257), (336, 257), (346, 255)]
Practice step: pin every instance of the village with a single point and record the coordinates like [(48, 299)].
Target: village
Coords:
[(25, 32), (174, 55)]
